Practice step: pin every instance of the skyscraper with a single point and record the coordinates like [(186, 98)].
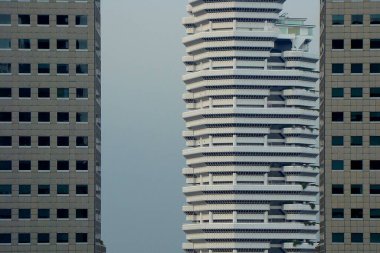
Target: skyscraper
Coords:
[(350, 129), (252, 129), (50, 116)]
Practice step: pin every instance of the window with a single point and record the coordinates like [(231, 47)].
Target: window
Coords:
[(63, 93), (337, 68), (356, 19), (374, 213), (24, 165), (356, 165), (81, 20), (338, 237), (5, 92), (24, 43), (83, 165), (24, 92), (62, 237), (337, 44), (81, 238), (374, 68), (356, 116), (24, 189), (5, 189), (5, 141), (62, 213), (24, 19), (356, 140), (24, 141), (337, 116), (337, 140), (83, 93), (357, 237), (374, 140), (43, 20), (5, 214), (82, 141), (24, 68), (5, 68), (63, 44), (356, 68), (44, 165), (43, 44), (82, 214), (5, 238), (82, 117), (357, 44), (337, 19), (24, 116), (5, 44), (374, 189), (338, 213), (375, 19), (5, 165), (374, 92), (44, 141), (44, 117), (63, 141), (24, 214), (81, 45), (374, 43), (62, 68), (375, 237), (81, 189), (62, 20), (24, 238), (82, 69), (356, 92), (43, 189), (63, 189), (62, 165), (43, 93), (374, 116), (43, 68), (43, 238), (5, 19), (337, 189), (62, 117), (356, 189), (5, 117), (374, 165)]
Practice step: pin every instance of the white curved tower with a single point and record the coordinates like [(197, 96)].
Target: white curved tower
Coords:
[(252, 153)]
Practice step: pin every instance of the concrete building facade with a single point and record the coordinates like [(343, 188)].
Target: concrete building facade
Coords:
[(350, 129), (50, 135)]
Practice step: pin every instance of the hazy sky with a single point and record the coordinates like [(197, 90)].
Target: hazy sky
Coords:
[(142, 124)]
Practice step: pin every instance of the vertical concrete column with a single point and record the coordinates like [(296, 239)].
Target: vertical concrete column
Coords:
[(211, 64), (266, 179), (201, 217), (201, 179), (211, 140), (235, 25), (234, 217), (266, 217), (266, 102), (266, 141), (210, 24), (234, 102), (211, 217), (211, 179), (211, 102), (234, 63), (234, 140), (234, 179)]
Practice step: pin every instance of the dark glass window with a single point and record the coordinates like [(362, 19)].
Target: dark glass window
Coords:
[(24, 238), (375, 19), (62, 237), (356, 19), (44, 117), (337, 44), (5, 19), (338, 213), (357, 44), (43, 189), (337, 19), (337, 116), (80, 237), (375, 238), (82, 69), (5, 44), (374, 140), (374, 44), (5, 214), (356, 68), (43, 213), (24, 189), (356, 140), (63, 44), (356, 116), (5, 189), (337, 189), (24, 214), (356, 189), (43, 20), (5, 117), (62, 213), (24, 141), (24, 68), (43, 93), (44, 165), (81, 213), (356, 92), (374, 165), (43, 238), (82, 189), (375, 213), (63, 93), (82, 141), (81, 20), (337, 164), (24, 92), (374, 189), (63, 165), (337, 92), (82, 117), (82, 92), (62, 20), (338, 237), (374, 92), (5, 68), (356, 165), (357, 237), (24, 116), (25, 165), (81, 45), (5, 141), (62, 68), (5, 165), (374, 68), (337, 140), (24, 19), (337, 68), (63, 189), (62, 117), (5, 92), (43, 68), (63, 141), (374, 116), (43, 44), (5, 238), (24, 43), (83, 165)]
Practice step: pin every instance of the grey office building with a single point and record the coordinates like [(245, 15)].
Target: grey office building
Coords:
[(350, 126), (50, 158)]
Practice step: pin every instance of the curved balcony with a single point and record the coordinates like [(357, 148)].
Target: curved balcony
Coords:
[(259, 169)]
